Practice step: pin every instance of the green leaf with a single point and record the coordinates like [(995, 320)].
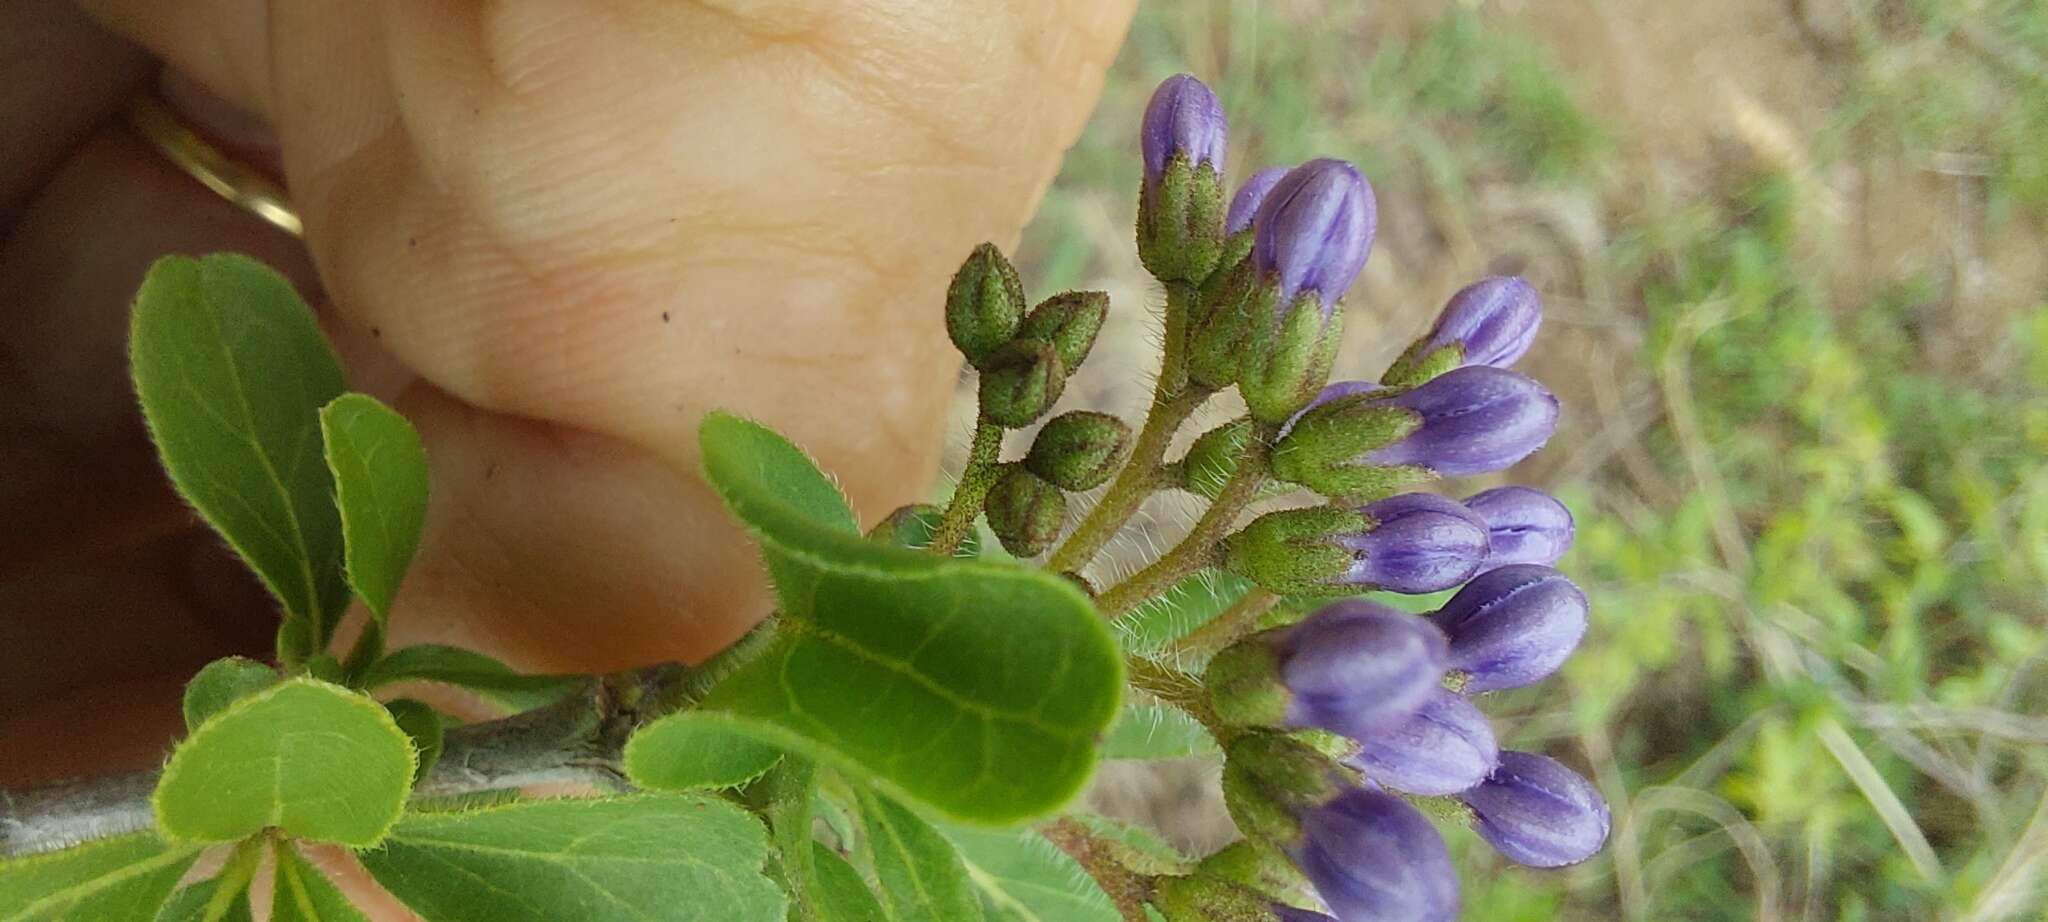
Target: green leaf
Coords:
[(755, 468), (204, 902), (688, 751), (303, 894), (783, 798), (1024, 878), (125, 877), (221, 683), (977, 688), (1150, 731), (921, 876), (838, 820), (232, 372), (380, 486), (316, 760), (326, 668), (838, 892), (424, 726), (223, 897), (471, 670), (678, 858)]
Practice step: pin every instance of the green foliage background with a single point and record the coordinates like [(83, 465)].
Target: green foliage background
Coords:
[(1812, 489)]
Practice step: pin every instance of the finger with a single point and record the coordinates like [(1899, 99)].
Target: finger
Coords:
[(61, 76), (223, 44), (760, 229), (543, 170), (560, 175), (565, 551)]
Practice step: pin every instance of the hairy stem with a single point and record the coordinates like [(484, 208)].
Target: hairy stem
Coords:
[(1127, 889), (1172, 403), (1200, 548), (1229, 625), (72, 812), (1174, 687), (975, 481), (579, 739)]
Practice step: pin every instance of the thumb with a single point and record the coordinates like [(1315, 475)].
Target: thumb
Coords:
[(582, 226)]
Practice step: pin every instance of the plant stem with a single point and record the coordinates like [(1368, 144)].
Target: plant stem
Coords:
[(579, 739), (975, 480), (1199, 548), (369, 646), (1172, 403), (1174, 687), (1228, 626), (1127, 889), (1137, 481)]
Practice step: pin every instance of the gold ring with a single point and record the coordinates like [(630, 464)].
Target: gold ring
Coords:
[(192, 153)]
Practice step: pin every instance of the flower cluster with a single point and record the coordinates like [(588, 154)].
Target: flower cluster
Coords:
[(1390, 695)]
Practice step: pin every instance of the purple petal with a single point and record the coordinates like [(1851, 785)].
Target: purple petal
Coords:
[(1523, 525), (1475, 420), (1513, 626), (1418, 542), (1445, 748), (1183, 117), (1250, 196), (1374, 858), (1538, 813), (1314, 231), (1355, 667), (1495, 319)]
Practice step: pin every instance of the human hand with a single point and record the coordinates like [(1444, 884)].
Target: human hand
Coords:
[(553, 233)]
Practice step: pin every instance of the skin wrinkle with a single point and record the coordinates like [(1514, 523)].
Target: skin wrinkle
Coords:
[(515, 266)]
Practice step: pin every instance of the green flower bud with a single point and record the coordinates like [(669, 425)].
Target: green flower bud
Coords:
[(1244, 684), (1213, 459), (1269, 779), (912, 527), (984, 305), (1261, 868), (1020, 382), (1069, 320), (1323, 448), (1219, 326), (1287, 358), (1180, 204), (1025, 512), (1200, 898), (1296, 551), (1079, 450)]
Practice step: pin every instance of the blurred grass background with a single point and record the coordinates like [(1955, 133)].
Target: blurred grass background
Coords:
[(1794, 256)]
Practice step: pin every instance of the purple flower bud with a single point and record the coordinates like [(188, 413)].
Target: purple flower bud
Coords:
[(1183, 118), (1523, 525), (1374, 858), (1417, 543), (1356, 667), (1445, 748), (1474, 420), (1314, 230), (1539, 813), (1512, 626), (1249, 196), (1493, 320)]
